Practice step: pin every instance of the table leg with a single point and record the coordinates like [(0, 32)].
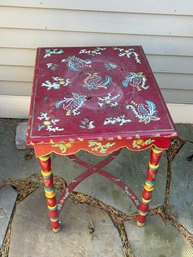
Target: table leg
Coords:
[(152, 170), (49, 189)]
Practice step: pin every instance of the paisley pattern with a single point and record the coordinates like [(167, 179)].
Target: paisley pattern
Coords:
[(72, 104), (77, 64), (144, 112), (136, 80), (95, 81)]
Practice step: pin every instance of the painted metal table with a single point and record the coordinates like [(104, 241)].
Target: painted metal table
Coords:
[(97, 99)]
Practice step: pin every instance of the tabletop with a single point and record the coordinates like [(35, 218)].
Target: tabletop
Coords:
[(95, 92)]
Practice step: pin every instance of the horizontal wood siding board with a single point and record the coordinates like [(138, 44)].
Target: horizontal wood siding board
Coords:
[(174, 81), (18, 57), (104, 22), (161, 6), (178, 96), (16, 73), (159, 63), (171, 64), (31, 39), (18, 88)]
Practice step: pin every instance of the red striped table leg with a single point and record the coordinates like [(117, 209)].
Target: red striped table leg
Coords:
[(152, 170), (47, 175)]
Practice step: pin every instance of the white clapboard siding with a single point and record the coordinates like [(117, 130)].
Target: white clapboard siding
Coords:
[(17, 88), (175, 81), (160, 7), (17, 57), (171, 95), (152, 44), (105, 22), (16, 73), (164, 29)]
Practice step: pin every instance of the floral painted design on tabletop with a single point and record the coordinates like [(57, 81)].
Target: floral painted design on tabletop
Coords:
[(49, 52), (144, 112), (71, 105), (108, 100), (136, 80), (128, 52), (95, 81), (77, 64), (87, 124), (56, 84), (120, 119), (92, 52), (48, 123)]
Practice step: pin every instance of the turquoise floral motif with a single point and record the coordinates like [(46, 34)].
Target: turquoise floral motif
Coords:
[(87, 124), (139, 143), (128, 53), (144, 112), (92, 52), (76, 64), (136, 80), (110, 66), (120, 119), (108, 100), (95, 81), (56, 84), (48, 123), (99, 147), (49, 52), (72, 104), (52, 66)]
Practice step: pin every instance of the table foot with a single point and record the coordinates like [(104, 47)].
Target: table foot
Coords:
[(152, 170), (49, 189), (55, 230), (139, 224)]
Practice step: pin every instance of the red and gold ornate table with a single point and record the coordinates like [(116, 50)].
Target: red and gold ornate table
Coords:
[(97, 99)]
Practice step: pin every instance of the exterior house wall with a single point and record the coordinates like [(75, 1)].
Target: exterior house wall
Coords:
[(164, 29)]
